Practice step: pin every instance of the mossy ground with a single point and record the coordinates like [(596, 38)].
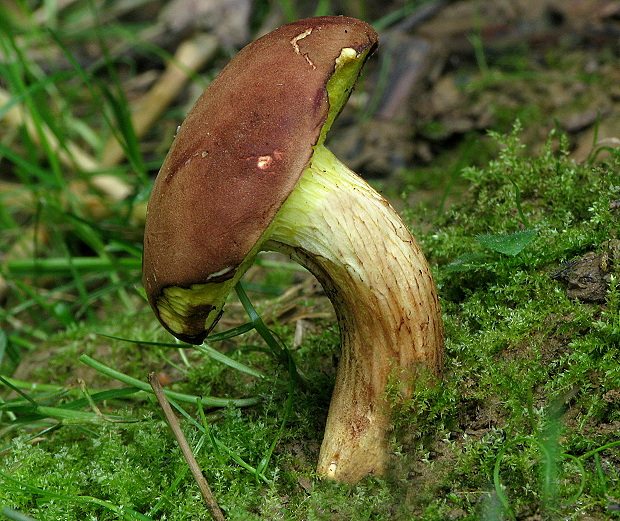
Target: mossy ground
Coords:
[(518, 425)]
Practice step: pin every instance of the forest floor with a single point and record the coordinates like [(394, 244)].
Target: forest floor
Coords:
[(492, 127)]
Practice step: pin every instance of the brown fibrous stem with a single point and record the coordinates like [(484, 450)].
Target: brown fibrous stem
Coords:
[(380, 284)]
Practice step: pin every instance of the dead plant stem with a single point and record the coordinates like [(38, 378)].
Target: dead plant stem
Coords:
[(203, 485)]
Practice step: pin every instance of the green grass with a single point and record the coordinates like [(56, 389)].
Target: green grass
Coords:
[(524, 423)]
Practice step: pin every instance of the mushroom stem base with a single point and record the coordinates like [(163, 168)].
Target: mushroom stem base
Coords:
[(379, 282)]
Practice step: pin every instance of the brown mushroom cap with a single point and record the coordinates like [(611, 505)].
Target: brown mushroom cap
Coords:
[(240, 152)]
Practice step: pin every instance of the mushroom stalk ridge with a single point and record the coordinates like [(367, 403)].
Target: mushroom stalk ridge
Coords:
[(342, 230), (249, 171)]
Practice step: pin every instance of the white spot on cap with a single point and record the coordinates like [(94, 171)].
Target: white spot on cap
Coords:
[(266, 162)]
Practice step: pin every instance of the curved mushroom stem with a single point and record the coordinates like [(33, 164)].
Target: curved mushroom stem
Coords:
[(379, 282)]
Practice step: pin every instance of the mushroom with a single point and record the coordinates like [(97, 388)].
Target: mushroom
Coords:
[(249, 171)]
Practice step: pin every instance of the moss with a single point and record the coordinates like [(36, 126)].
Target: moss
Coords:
[(529, 373)]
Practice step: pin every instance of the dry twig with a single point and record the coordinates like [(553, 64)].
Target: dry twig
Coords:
[(205, 489), (190, 57)]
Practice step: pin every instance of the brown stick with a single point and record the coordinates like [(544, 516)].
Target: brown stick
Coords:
[(190, 57), (204, 487)]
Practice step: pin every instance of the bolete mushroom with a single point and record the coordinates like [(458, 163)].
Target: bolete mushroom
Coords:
[(249, 171)]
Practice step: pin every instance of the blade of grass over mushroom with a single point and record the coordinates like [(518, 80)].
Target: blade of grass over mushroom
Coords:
[(257, 322), (172, 395)]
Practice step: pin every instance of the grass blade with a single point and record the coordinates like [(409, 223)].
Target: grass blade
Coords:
[(184, 398)]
